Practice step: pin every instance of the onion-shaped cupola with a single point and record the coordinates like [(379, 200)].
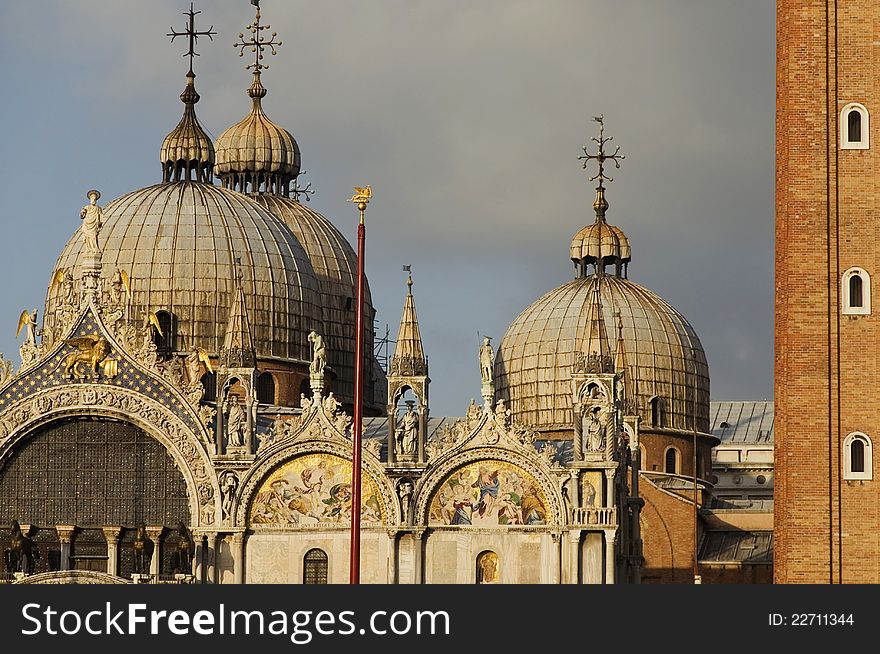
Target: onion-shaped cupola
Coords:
[(255, 155), (187, 152), (601, 244)]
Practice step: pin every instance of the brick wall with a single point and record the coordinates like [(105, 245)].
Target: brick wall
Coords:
[(826, 367)]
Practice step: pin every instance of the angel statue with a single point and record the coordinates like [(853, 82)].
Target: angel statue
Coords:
[(28, 321), (151, 322), (194, 361)]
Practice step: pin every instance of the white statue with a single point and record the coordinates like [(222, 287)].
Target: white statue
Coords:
[(68, 291), (6, 369), (228, 485), (404, 492), (487, 360), (235, 423), (92, 216), (595, 432), (331, 404), (319, 356), (407, 434)]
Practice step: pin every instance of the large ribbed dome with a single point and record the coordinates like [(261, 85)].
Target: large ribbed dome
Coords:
[(663, 354), (179, 243), (335, 265)]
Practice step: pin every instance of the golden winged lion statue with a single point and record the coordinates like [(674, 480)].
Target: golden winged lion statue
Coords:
[(362, 194), (92, 353)]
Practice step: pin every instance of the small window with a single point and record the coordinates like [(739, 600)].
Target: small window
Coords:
[(657, 417), (671, 459), (856, 292), (315, 567), (209, 381), (857, 457), (165, 337), (266, 388), (487, 568), (854, 127)]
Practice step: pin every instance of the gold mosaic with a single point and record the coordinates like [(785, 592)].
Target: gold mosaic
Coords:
[(314, 489), (489, 493)]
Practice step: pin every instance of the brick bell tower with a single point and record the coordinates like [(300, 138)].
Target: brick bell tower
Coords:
[(827, 328)]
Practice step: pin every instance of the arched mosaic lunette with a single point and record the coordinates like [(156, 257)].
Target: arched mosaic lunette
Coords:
[(262, 473), (430, 485)]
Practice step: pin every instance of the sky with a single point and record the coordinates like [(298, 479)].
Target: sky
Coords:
[(465, 116)]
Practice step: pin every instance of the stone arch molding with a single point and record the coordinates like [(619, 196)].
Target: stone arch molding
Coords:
[(430, 484), (22, 418)]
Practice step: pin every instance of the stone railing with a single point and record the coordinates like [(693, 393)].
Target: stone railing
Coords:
[(603, 517)]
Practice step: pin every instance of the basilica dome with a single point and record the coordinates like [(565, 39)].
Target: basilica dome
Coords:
[(665, 369), (184, 244), (664, 357), (335, 265)]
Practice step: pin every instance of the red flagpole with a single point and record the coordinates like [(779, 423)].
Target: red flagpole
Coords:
[(356, 429)]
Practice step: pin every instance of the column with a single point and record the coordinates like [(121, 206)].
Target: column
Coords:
[(610, 556), (112, 534), (574, 555), (200, 556), (578, 444), (392, 557), (155, 534), (238, 558), (419, 548), (392, 426), (423, 433), (609, 487), (555, 557), (65, 535)]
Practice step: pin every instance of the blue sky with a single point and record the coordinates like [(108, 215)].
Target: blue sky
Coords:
[(466, 117)]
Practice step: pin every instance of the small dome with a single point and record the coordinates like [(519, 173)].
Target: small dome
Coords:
[(187, 152), (600, 241), (664, 357), (255, 154), (601, 244), (179, 243)]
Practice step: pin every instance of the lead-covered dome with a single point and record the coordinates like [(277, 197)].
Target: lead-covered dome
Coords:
[(183, 245), (664, 357), (335, 265)]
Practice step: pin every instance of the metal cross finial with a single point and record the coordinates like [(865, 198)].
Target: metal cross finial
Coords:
[(257, 42), (306, 191), (601, 157), (193, 34)]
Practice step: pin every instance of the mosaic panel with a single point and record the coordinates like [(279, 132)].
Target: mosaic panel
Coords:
[(489, 493), (314, 489)]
